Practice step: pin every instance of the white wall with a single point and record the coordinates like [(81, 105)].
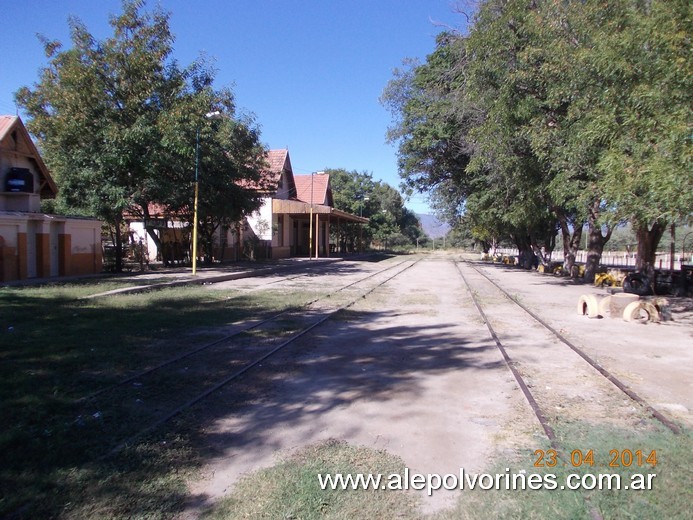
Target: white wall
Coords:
[(261, 221)]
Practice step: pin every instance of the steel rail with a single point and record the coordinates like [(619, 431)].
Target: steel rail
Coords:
[(594, 513), (197, 350), (593, 363), (235, 375), (548, 430)]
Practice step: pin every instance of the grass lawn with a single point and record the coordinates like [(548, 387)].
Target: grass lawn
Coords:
[(290, 489), (669, 497), (57, 349)]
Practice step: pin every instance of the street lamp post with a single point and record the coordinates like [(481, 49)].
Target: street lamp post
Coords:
[(209, 115)]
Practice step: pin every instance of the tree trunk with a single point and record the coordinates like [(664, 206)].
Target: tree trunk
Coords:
[(156, 239), (223, 242), (207, 233), (525, 253), (648, 239), (152, 233), (539, 256), (571, 243), (118, 245), (672, 248), (595, 244), (157, 242), (549, 246)]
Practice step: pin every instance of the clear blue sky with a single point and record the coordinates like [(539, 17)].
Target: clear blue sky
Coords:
[(311, 71)]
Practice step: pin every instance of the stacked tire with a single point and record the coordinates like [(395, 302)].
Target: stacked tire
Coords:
[(637, 283), (621, 305)]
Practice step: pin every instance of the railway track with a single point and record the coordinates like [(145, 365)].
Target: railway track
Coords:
[(139, 412), (239, 330), (141, 403), (601, 395)]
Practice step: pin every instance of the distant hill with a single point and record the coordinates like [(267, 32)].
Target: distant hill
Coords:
[(433, 227)]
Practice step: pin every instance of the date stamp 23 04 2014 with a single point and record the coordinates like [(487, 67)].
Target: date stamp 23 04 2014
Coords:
[(616, 458)]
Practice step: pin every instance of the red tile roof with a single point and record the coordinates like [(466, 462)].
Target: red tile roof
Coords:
[(6, 123), (277, 162), (317, 185)]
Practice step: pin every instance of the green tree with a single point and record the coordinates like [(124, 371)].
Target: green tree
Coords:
[(457, 141), (566, 113), (95, 111), (116, 119), (410, 226), (604, 94), (228, 153), (351, 192), (230, 162), (383, 205), (431, 122), (643, 60), (527, 72)]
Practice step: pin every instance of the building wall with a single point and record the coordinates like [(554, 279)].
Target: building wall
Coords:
[(261, 221), (140, 233), (85, 251), (281, 252), (226, 245), (34, 245), (226, 241), (9, 242)]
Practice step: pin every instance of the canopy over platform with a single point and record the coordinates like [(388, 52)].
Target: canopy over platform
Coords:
[(297, 207)]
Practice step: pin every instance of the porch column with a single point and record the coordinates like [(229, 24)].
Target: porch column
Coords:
[(317, 234), (327, 235)]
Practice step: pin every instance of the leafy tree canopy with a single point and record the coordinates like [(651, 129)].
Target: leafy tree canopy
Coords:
[(383, 205), (553, 114), (118, 119)]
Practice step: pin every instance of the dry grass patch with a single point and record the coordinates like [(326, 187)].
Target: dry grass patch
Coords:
[(290, 489), (57, 350), (669, 498)]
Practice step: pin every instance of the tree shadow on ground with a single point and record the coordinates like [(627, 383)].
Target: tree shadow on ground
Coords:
[(52, 461), (540, 278), (342, 364)]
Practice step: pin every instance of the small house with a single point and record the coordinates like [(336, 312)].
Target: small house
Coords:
[(34, 244), (295, 219)]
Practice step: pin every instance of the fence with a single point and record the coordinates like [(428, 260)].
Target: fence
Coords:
[(614, 258)]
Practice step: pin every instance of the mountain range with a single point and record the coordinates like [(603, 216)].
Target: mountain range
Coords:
[(433, 227)]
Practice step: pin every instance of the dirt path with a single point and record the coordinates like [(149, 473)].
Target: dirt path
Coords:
[(412, 369), (401, 371)]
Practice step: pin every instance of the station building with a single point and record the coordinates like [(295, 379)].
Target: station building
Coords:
[(296, 219), (300, 210), (34, 244)]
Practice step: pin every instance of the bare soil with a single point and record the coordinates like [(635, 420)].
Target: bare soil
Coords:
[(411, 369)]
